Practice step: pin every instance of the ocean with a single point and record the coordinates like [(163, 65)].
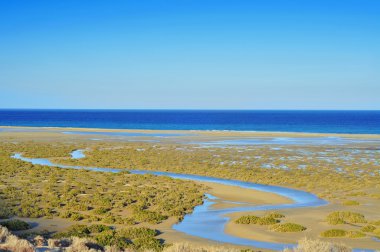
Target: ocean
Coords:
[(356, 122)]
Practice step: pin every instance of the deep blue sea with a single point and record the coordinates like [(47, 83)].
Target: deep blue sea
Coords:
[(359, 122)]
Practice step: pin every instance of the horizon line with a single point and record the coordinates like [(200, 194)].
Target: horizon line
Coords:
[(185, 109)]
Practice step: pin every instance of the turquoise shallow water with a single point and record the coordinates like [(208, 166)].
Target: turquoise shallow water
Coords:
[(205, 221)]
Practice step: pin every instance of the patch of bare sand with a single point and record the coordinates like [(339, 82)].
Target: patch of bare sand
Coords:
[(227, 195), (52, 225)]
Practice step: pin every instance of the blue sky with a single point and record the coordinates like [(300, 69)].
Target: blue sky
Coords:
[(190, 54)]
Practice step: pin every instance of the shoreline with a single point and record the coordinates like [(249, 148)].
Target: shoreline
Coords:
[(245, 133)]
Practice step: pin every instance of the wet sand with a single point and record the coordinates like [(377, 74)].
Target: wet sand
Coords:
[(186, 133)]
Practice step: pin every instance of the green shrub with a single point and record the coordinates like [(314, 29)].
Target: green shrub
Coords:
[(342, 233), (267, 221), (252, 219), (101, 210), (247, 219), (368, 228), (137, 232), (93, 218), (75, 230), (287, 227), (149, 216), (355, 234), (112, 219), (148, 243), (129, 221), (15, 225), (110, 238), (98, 228), (5, 213), (65, 214), (334, 233), (105, 238), (275, 215), (335, 218), (76, 216), (351, 203)]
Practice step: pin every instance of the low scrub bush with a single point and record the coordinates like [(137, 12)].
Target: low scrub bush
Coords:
[(342, 233), (355, 234), (335, 218), (275, 215), (98, 228), (252, 219), (147, 244), (101, 210), (287, 227), (110, 238), (334, 233), (137, 232), (351, 203), (135, 238), (15, 225), (76, 216), (368, 228), (149, 216), (267, 221), (247, 219), (80, 231), (5, 213)]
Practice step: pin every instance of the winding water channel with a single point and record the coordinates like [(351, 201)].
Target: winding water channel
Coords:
[(205, 221)]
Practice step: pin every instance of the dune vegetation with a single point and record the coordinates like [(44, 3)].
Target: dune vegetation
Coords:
[(273, 220), (97, 236), (352, 172), (134, 238), (363, 226), (341, 217), (38, 191), (252, 219), (119, 199), (15, 225), (287, 227), (124, 200)]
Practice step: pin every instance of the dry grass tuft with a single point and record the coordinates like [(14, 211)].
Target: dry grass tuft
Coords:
[(185, 247), (83, 245), (13, 243), (4, 233), (309, 245)]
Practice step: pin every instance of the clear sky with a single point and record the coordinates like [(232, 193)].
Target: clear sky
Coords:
[(190, 54)]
